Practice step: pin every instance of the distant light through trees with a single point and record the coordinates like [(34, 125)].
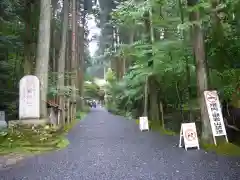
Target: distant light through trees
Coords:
[(94, 31)]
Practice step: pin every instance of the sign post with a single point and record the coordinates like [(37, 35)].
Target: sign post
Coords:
[(215, 115), (188, 133), (143, 124)]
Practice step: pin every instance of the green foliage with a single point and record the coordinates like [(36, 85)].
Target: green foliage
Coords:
[(110, 76), (92, 90), (11, 47), (168, 55), (18, 39), (171, 52), (166, 39)]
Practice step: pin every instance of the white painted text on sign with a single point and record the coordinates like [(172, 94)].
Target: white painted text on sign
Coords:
[(215, 113)]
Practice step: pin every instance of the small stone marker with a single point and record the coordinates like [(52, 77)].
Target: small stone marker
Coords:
[(52, 117), (3, 123), (29, 99), (215, 115), (188, 133), (143, 124), (2, 115)]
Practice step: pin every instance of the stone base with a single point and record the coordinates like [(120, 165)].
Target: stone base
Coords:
[(29, 122)]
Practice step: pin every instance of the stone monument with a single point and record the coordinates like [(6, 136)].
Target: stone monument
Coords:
[(29, 98)]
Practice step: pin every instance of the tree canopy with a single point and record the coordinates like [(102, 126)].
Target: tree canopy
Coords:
[(164, 54)]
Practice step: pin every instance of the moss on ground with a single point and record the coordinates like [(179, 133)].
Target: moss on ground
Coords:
[(137, 121), (32, 139), (79, 116), (228, 149), (29, 139), (156, 127)]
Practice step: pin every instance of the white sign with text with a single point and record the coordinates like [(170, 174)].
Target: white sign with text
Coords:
[(143, 124), (188, 134), (215, 114), (29, 97)]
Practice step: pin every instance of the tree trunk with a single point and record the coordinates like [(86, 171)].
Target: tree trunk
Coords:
[(62, 56), (28, 64), (43, 53), (198, 46), (27, 61), (52, 60), (145, 107), (153, 97), (74, 65), (147, 24), (68, 69), (80, 45), (128, 62), (188, 73), (81, 69)]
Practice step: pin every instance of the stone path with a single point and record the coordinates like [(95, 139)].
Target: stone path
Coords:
[(108, 147), (7, 161)]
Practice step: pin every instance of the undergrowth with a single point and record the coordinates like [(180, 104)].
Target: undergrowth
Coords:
[(30, 139), (155, 126), (228, 149)]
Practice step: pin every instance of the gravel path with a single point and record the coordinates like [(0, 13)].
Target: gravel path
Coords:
[(107, 147)]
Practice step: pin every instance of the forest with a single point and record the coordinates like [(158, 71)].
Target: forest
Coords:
[(47, 39), (165, 54), (160, 57)]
